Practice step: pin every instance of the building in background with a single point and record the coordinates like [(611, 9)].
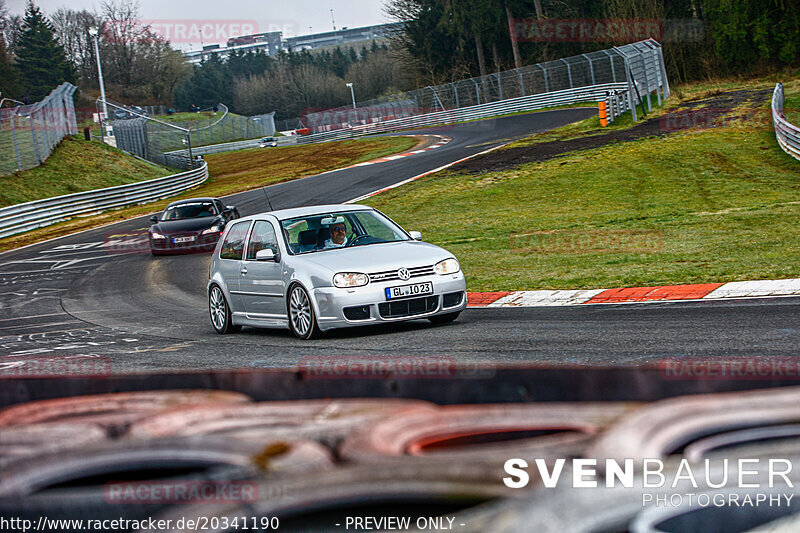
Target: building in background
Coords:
[(273, 42)]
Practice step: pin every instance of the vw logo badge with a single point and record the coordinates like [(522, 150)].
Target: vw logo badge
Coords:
[(404, 274)]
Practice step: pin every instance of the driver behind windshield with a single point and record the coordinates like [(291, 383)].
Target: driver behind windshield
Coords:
[(338, 237)]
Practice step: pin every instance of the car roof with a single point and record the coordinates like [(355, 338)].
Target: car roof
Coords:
[(296, 212)]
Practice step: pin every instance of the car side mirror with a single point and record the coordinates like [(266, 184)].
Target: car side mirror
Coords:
[(154, 219), (267, 255), (417, 236)]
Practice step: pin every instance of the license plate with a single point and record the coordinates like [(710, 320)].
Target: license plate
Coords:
[(176, 240), (417, 289)]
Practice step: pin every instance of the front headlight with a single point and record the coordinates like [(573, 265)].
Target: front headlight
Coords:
[(448, 266), (156, 235), (212, 229), (350, 279)]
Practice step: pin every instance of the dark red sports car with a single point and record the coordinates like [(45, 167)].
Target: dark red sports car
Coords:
[(192, 225)]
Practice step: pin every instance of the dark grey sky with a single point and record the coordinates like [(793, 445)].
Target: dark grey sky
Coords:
[(187, 22)]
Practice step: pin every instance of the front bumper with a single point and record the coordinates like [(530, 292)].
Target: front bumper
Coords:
[(202, 243), (334, 304)]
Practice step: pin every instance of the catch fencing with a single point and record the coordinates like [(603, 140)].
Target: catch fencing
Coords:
[(640, 66), (528, 103), (30, 133), (173, 144), (31, 215), (788, 134)]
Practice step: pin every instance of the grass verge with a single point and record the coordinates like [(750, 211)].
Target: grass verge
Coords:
[(718, 204), (76, 165), (234, 172)]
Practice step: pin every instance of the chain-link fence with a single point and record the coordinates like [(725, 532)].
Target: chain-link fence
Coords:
[(29, 133), (152, 138), (640, 65)]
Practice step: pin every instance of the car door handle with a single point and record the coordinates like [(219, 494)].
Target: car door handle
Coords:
[(244, 271)]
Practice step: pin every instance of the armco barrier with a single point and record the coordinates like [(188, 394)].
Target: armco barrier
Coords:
[(593, 93), (788, 135), (31, 215), (229, 147)]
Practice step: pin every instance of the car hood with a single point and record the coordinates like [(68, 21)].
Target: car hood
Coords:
[(377, 257), (185, 225)]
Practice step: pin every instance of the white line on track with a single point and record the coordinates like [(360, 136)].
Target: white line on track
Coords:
[(409, 180)]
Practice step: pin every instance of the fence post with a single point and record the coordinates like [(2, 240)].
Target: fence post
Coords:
[(665, 81), (35, 140), (14, 135), (499, 85), (569, 72), (646, 82), (544, 74), (477, 90), (591, 68), (521, 81), (631, 100), (611, 61)]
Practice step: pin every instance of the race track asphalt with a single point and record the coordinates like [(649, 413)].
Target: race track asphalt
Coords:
[(76, 298)]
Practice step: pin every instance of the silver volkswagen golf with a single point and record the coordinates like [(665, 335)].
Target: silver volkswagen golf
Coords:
[(315, 268)]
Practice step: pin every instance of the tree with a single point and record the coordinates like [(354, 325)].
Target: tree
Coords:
[(72, 31), (9, 78), (209, 84), (40, 59)]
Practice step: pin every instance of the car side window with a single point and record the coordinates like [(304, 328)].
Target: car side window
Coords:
[(220, 207), (262, 237), (233, 245)]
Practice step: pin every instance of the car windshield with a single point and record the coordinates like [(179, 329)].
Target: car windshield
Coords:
[(192, 210), (329, 231)]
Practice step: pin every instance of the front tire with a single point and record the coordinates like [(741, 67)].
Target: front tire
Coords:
[(302, 320), (220, 312), (444, 319)]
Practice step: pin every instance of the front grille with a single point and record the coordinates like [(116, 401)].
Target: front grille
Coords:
[(411, 307), (391, 275), (360, 312), (452, 299)]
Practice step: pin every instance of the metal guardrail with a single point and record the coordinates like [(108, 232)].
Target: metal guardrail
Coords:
[(788, 134), (229, 147), (31, 215), (594, 93)]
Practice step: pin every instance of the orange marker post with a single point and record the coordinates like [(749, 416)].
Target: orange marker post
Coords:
[(603, 114)]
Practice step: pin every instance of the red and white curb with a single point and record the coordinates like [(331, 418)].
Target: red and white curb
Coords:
[(442, 141), (705, 291)]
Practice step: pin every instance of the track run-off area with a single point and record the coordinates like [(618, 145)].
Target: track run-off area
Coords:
[(81, 298)]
